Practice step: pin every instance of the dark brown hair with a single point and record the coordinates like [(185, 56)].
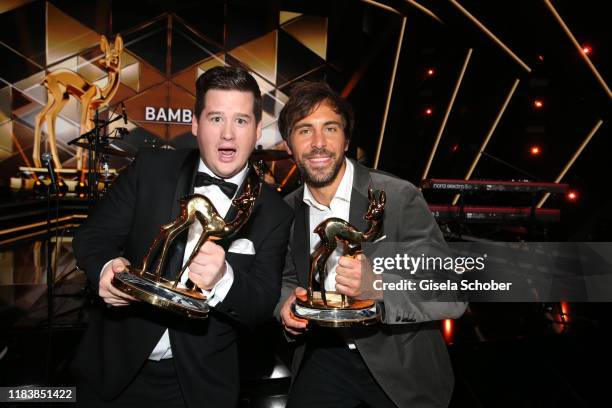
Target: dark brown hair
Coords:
[(227, 78), (304, 98)]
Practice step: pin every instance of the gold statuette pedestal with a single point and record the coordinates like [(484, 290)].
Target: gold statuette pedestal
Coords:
[(144, 287), (336, 313)]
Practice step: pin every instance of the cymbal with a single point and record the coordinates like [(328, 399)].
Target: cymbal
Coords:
[(269, 155), (106, 150)]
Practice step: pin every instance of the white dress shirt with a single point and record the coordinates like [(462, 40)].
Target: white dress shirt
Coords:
[(338, 207)]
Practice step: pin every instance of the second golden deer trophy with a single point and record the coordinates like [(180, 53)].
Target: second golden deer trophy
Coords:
[(329, 308), (171, 294)]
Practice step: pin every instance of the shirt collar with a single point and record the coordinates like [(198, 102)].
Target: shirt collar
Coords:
[(343, 192), (237, 179)]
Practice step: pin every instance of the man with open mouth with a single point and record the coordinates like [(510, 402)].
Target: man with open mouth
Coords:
[(134, 355)]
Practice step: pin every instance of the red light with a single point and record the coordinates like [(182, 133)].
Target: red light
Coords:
[(455, 148), (447, 330), (431, 72), (428, 111), (541, 58), (535, 150), (538, 104), (572, 196), (587, 49), (564, 312)]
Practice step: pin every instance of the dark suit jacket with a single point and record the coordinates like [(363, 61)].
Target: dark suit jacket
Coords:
[(406, 354), (119, 340)]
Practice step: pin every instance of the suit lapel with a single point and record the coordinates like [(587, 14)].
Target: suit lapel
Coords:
[(359, 197), (252, 176), (232, 211), (185, 180), (301, 238)]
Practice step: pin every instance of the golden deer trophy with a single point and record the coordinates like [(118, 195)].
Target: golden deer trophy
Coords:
[(155, 289), (334, 309), (61, 84)]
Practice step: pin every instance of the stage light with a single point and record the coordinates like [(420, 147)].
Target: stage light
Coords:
[(431, 72), (587, 49), (428, 111), (572, 196), (455, 148), (447, 330), (535, 150), (564, 312), (541, 58), (538, 104)]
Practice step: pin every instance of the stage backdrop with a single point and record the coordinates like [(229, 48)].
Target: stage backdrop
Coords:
[(163, 55)]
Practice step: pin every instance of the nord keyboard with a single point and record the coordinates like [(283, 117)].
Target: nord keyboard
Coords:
[(494, 185), (447, 212)]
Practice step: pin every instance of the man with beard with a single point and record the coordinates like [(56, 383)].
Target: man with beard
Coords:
[(402, 362)]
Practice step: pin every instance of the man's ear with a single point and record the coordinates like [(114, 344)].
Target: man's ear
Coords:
[(346, 145), (287, 148), (259, 131), (194, 125)]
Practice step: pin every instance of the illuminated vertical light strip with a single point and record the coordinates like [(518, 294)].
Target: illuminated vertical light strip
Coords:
[(484, 144), (578, 47), (381, 6), (288, 176), (22, 154), (572, 160), (490, 35), (390, 93), (447, 114), (424, 10)]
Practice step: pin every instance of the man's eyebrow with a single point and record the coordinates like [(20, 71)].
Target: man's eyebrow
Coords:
[(332, 122), (211, 113)]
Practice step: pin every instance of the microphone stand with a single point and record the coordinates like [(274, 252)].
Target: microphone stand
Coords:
[(94, 139)]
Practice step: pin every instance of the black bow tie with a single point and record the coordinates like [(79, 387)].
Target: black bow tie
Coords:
[(204, 179)]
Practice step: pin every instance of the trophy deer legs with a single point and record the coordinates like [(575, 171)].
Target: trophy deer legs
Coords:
[(162, 236), (172, 232), (51, 119), (86, 125), (314, 263), (193, 254), (321, 262), (40, 120)]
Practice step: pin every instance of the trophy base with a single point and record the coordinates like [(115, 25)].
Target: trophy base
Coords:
[(335, 314), (146, 288)]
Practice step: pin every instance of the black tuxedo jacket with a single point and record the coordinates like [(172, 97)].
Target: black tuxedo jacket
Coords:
[(406, 353), (119, 340)]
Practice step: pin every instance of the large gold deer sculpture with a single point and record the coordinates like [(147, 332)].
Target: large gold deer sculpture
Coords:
[(61, 84)]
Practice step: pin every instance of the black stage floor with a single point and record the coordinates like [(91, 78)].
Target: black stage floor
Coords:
[(504, 355)]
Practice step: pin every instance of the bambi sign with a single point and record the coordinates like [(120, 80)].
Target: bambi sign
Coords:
[(162, 115)]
